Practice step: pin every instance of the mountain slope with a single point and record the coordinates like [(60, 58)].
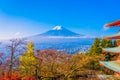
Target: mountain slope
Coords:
[(59, 31)]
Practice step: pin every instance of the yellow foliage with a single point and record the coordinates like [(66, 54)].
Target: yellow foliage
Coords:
[(28, 61)]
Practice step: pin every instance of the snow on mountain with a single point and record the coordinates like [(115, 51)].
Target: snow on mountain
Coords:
[(59, 31), (57, 28)]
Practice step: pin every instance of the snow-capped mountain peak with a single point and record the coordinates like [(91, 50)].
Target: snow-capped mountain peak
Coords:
[(57, 28), (59, 31)]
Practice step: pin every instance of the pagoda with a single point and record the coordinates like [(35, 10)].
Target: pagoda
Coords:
[(112, 65)]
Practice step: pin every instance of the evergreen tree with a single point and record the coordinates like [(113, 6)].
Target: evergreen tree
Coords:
[(103, 43), (106, 43), (115, 43), (109, 44), (96, 48)]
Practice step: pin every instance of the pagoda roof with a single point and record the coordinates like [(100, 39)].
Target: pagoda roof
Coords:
[(112, 50), (114, 36), (108, 77), (116, 23), (112, 65)]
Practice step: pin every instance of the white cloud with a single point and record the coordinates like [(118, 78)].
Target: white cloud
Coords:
[(17, 34), (105, 28)]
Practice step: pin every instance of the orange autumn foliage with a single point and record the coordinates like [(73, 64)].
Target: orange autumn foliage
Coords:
[(16, 77), (8, 77), (46, 74), (29, 78)]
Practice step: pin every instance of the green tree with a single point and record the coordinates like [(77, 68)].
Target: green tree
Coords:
[(106, 43), (96, 48), (115, 43), (109, 44), (103, 43)]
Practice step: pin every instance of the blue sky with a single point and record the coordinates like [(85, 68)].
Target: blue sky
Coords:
[(30, 17)]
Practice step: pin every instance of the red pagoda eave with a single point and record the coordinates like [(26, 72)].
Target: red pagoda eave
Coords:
[(116, 23), (114, 37)]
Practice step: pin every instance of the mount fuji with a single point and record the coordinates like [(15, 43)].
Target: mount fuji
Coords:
[(59, 31)]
